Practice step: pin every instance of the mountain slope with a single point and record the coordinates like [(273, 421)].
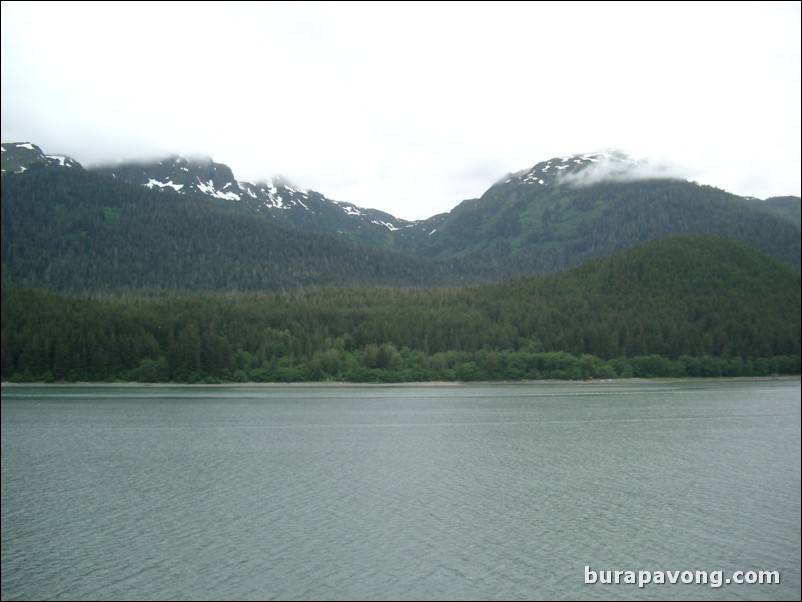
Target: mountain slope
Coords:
[(788, 207), (686, 294), (17, 157), (565, 211), (689, 294), (556, 215), (277, 199), (76, 231)]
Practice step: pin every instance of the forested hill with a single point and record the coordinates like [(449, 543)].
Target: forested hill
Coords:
[(533, 223), (555, 215), (276, 200), (74, 231), (176, 235), (691, 305), (787, 207)]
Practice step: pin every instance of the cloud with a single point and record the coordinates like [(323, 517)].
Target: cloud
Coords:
[(615, 166), (411, 107)]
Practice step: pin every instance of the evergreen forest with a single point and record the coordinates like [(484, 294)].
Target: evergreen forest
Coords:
[(104, 280), (685, 306)]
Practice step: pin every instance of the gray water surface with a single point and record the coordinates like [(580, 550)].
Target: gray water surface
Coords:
[(411, 492)]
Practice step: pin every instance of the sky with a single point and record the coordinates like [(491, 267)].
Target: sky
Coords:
[(411, 107)]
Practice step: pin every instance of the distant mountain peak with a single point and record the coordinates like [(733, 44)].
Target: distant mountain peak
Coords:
[(278, 197), (18, 157), (589, 168)]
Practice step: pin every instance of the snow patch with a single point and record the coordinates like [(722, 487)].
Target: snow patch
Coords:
[(27, 145), (62, 160), (387, 225), (208, 188), (151, 183), (296, 189)]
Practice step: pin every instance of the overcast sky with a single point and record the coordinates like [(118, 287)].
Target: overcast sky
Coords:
[(411, 108)]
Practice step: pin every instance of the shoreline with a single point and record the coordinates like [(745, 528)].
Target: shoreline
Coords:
[(335, 384)]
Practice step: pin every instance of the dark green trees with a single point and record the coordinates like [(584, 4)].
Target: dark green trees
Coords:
[(692, 305)]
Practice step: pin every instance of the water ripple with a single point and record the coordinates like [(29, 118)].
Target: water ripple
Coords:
[(452, 493)]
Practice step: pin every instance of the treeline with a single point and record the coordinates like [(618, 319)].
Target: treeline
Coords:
[(47, 338), (686, 306)]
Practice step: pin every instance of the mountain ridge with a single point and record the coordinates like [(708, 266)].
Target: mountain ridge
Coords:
[(17, 157), (277, 198), (104, 278), (77, 231), (552, 216), (218, 180)]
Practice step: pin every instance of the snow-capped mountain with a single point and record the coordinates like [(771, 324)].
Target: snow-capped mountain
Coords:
[(277, 198), (569, 209), (554, 215), (587, 169), (18, 157)]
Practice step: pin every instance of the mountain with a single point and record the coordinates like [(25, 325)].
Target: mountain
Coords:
[(688, 305), (564, 211), (277, 199), (176, 271), (73, 230), (555, 215), (18, 157)]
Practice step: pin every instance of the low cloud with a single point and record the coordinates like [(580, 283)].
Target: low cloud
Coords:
[(618, 167)]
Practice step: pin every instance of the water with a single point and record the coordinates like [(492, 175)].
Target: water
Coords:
[(419, 492)]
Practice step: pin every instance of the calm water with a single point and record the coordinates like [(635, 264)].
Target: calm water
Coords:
[(419, 492)]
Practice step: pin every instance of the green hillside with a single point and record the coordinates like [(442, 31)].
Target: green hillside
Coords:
[(787, 207), (515, 229), (189, 225), (75, 231), (692, 305)]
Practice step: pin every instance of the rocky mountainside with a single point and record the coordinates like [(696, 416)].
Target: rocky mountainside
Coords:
[(18, 157)]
